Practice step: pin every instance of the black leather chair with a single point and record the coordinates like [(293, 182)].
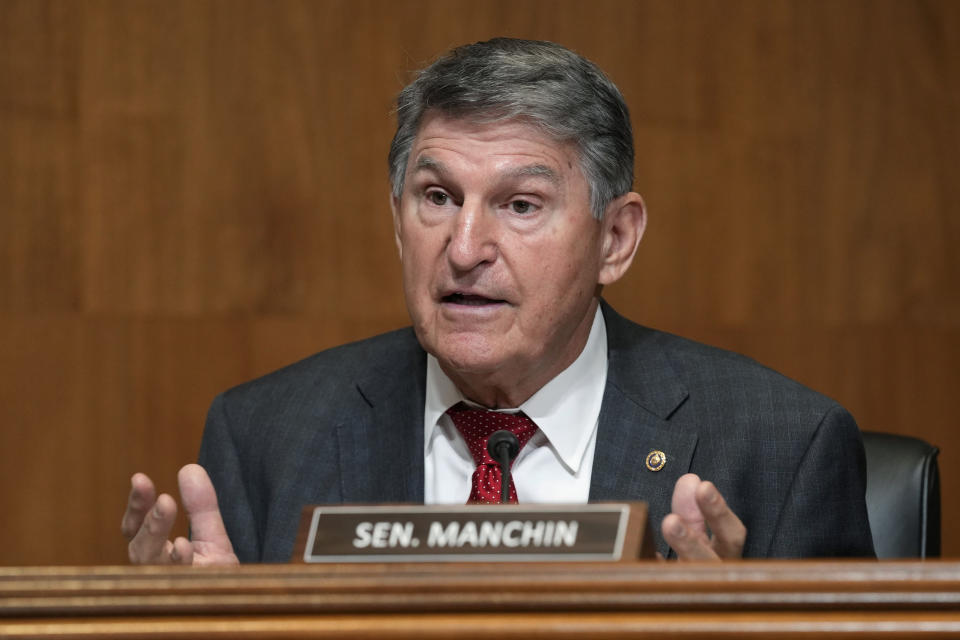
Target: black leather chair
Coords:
[(903, 495)]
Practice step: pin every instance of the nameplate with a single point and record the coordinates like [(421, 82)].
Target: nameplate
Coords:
[(474, 533)]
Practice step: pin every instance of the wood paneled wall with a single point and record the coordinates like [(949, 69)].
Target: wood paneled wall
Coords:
[(194, 192)]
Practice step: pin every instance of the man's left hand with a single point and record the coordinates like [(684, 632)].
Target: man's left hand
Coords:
[(698, 510)]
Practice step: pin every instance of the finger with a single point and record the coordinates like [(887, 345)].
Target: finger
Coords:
[(149, 546), (142, 497), (200, 502), (729, 533), (181, 551), (684, 502), (688, 543)]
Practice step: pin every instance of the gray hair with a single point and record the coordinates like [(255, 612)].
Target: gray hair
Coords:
[(565, 95)]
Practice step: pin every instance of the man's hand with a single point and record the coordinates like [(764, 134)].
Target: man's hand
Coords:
[(697, 505), (148, 520)]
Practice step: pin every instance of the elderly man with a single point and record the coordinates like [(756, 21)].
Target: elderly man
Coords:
[(512, 169)]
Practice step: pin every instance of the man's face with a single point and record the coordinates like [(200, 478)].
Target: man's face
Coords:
[(501, 256)]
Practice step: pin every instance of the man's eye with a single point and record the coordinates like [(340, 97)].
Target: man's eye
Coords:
[(438, 198), (521, 206)]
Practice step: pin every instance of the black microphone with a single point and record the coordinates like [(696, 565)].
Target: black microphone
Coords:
[(503, 447)]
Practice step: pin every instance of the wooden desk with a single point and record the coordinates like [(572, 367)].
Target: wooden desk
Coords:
[(768, 599)]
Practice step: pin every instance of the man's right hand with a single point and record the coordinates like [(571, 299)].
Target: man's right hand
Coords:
[(701, 526), (149, 518)]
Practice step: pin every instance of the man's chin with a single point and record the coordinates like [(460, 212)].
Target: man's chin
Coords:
[(468, 363), (467, 354)]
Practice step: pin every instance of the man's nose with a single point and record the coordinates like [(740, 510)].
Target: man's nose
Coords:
[(473, 237)]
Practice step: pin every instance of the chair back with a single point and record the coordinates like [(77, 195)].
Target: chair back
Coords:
[(903, 495)]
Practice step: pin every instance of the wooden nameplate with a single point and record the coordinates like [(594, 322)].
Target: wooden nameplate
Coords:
[(611, 532)]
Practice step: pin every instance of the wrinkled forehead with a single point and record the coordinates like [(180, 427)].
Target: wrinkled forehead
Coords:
[(497, 116), (492, 132)]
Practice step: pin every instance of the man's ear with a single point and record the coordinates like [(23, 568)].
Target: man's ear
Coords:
[(395, 209), (623, 226)]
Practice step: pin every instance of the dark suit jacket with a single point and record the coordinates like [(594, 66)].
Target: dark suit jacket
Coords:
[(346, 426)]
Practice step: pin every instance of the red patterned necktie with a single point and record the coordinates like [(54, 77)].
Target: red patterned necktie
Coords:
[(476, 426)]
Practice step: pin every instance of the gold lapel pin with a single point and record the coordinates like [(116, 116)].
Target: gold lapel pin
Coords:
[(655, 460)]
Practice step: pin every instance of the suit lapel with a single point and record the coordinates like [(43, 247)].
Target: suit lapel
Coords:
[(381, 445), (642, 393)]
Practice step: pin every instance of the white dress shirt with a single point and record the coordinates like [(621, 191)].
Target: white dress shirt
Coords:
[(556, 464)]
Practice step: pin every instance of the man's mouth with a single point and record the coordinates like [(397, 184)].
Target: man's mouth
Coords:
[(469, 300)]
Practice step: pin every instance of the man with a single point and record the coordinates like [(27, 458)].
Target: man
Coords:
[(512, 171)]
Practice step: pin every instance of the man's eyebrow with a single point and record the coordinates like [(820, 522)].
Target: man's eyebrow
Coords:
[(430, 164), (535, 171), (426, 163)]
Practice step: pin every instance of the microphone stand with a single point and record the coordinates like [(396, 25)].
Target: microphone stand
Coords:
[(503, 447)]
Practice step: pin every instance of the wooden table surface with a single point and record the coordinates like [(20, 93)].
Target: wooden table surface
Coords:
[(769, 599)]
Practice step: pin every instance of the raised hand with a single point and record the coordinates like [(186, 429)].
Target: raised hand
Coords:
[(149, 518), (698, 510)]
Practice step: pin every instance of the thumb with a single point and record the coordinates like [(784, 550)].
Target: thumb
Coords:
[(684, 503), (200, 502)]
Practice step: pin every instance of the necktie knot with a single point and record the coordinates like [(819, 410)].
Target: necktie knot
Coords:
[(476, 426)]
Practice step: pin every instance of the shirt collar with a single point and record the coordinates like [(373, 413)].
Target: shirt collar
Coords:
[(566, 408)]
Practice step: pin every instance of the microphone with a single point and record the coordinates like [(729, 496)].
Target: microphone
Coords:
[(503, 447)]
